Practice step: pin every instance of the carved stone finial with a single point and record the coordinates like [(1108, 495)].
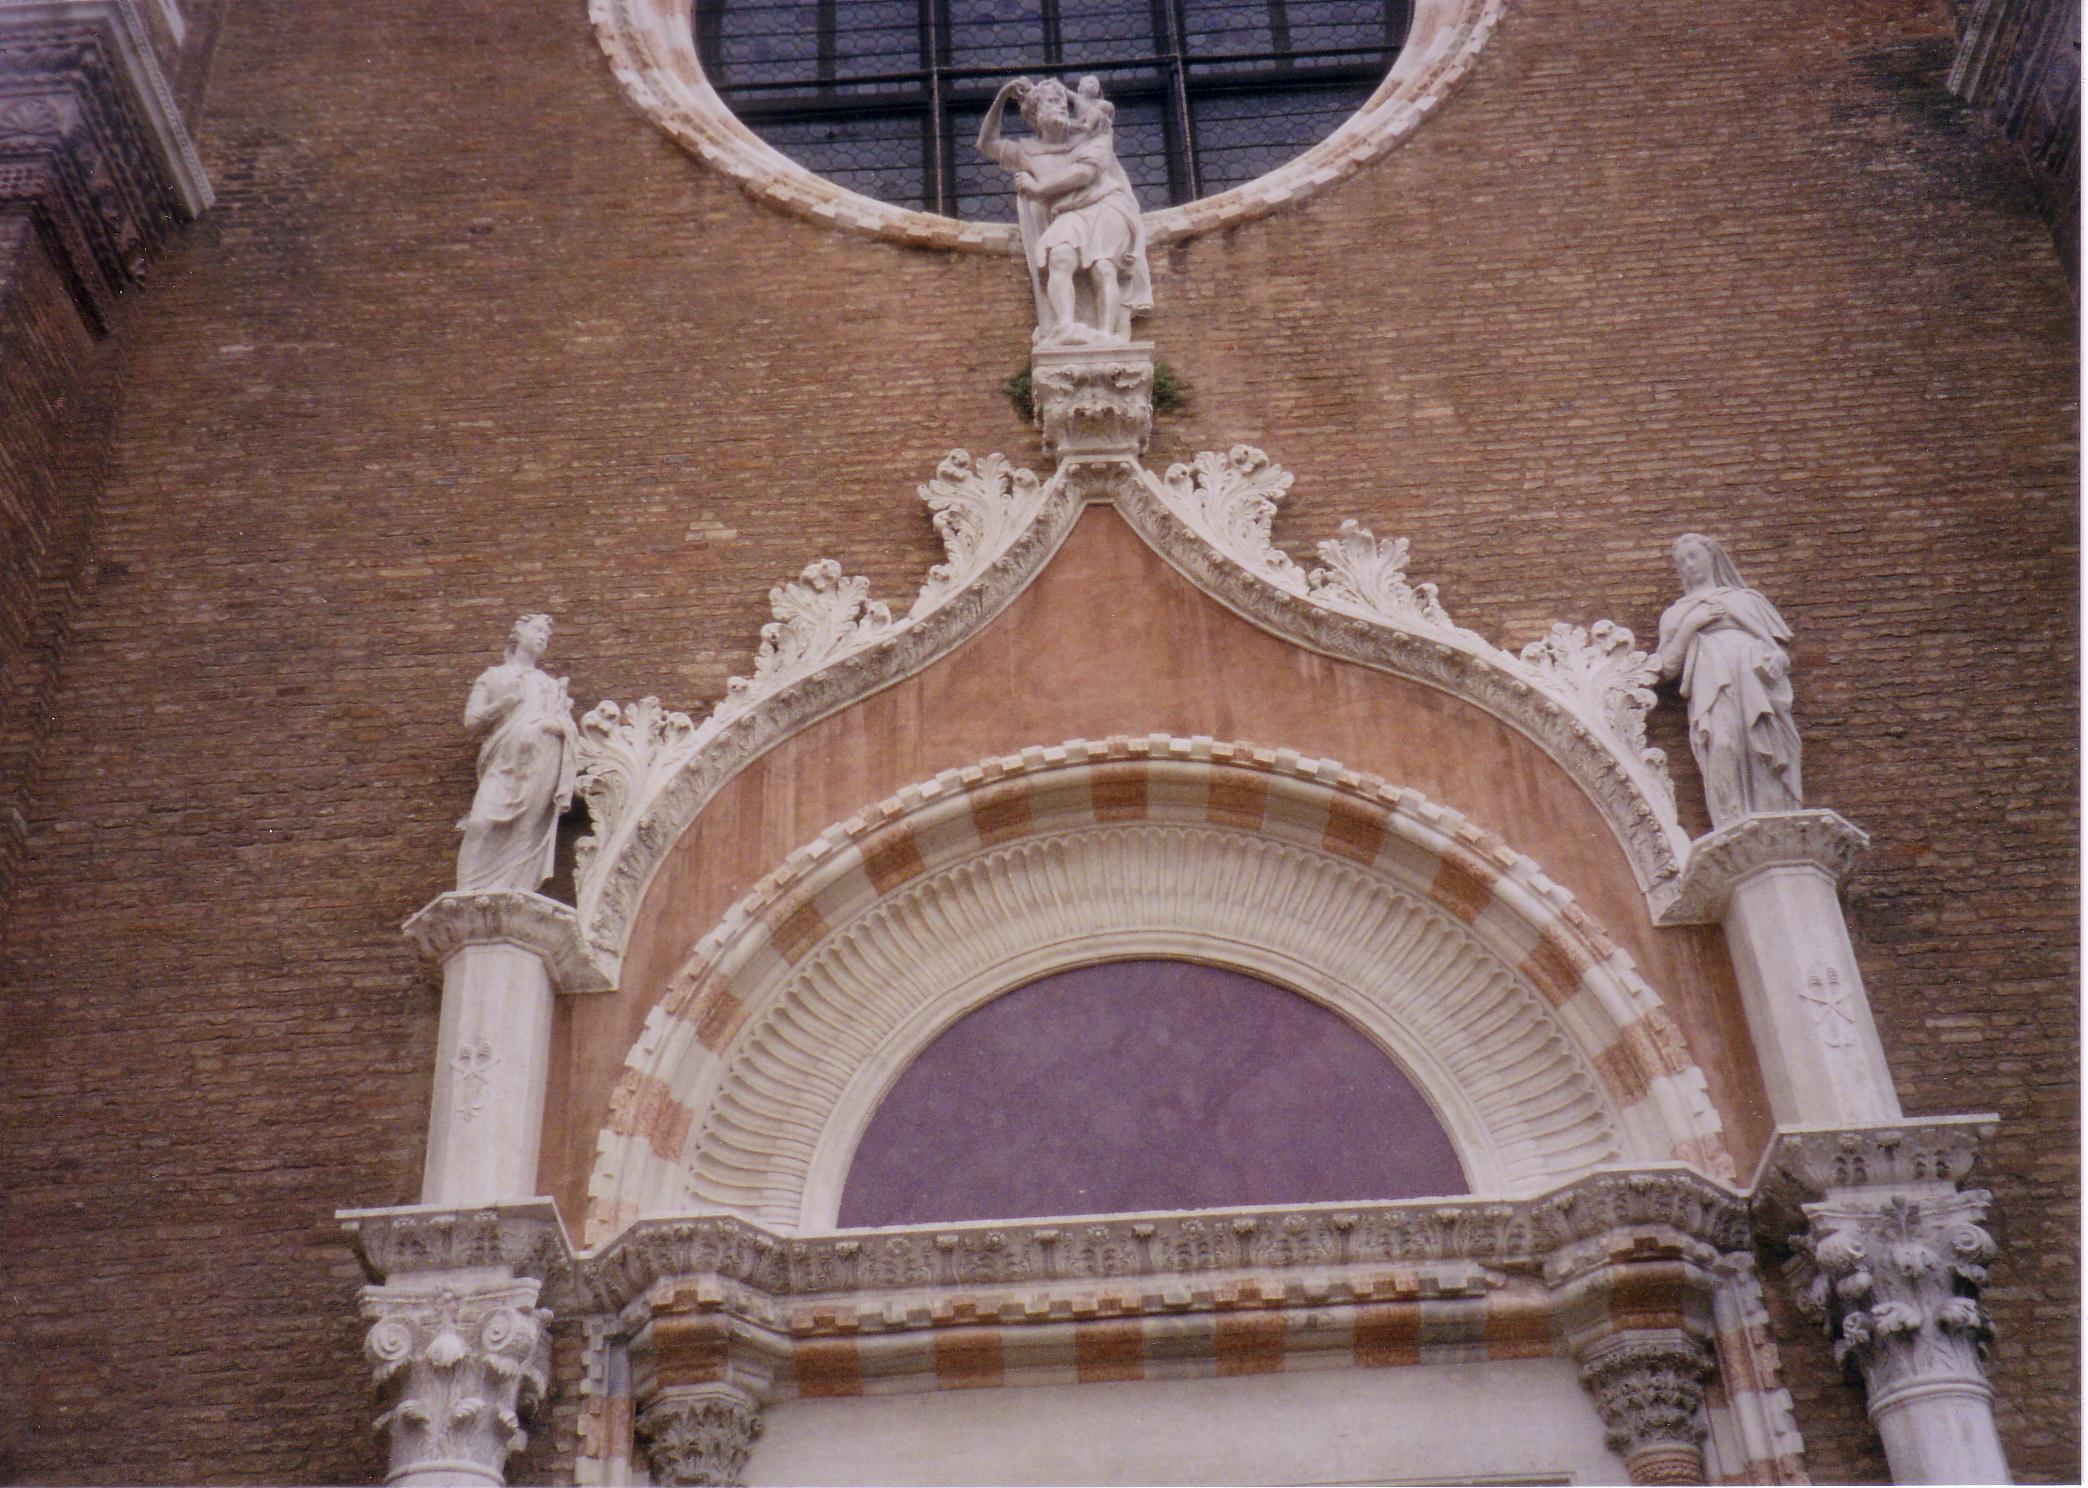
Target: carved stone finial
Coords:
[(1649, 1388), (700, 1434), (459, 1367), (526, 766), (1726, 643), (1083, 235)]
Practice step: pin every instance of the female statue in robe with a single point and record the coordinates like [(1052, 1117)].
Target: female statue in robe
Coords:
[(1726, 642), (526, 766)]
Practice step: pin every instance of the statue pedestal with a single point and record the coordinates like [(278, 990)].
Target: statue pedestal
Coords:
[(504, 955), (1771, 880), (1094, 402)]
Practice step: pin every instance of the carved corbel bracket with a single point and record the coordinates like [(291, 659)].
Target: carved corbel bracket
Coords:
[(699, 1381), (529, 922), (1720, 860), (1094, 401)]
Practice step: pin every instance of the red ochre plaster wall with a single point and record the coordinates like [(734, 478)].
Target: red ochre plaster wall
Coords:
[(1110, 640), (465, 336)]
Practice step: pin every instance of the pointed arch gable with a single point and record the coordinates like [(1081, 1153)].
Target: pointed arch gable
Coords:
[(1533, 1035)]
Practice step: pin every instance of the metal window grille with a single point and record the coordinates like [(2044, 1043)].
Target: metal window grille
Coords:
[(885, 96)]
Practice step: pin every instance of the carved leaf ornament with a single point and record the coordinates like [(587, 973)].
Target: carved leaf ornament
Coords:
[(645, 769)]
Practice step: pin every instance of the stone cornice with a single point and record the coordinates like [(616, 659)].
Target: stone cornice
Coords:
[(1170, 1261), (526, 921), (1720, 860), (91, 138), (1804, 1165)]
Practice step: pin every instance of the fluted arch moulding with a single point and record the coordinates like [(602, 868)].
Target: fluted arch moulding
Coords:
[(1581, 693), (1543, 1050), (651, 47)]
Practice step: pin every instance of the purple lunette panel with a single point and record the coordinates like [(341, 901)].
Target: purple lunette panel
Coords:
[(1145, 1085)]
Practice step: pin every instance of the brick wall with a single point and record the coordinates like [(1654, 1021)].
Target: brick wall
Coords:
[(465, 336)]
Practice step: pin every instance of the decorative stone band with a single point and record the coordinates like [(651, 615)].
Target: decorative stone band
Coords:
[(1753, 1428), (1719, 862), (92, 142), (1580, 693), (1530, 1029), (461, 1360), (652, 52), (529, 922)]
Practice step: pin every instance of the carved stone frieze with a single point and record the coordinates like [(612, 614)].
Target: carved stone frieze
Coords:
[(1720, 860), (1649, 1388), (1920, 1155), (1094, 402), (699, 1435), (460, 1362), (530, 922), (1028, 1256), (524, 1239), (91, 141)]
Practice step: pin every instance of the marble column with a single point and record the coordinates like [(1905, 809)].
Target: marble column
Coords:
[(504, 955), (1771, 880)]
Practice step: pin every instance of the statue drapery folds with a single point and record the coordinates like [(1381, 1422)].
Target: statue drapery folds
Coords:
[(527, 765), (1083, 235), (1726, 643)]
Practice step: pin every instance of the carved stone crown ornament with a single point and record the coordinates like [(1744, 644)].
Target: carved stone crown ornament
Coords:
[(92, 143), (1581, 692)]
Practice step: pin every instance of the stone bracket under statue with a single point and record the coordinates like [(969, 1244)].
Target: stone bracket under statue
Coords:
[(505, 954)]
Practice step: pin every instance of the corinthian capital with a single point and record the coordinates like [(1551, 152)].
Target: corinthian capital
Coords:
[(700, 1434), (1897, 1287), (460, 1362), (1649, 1389)]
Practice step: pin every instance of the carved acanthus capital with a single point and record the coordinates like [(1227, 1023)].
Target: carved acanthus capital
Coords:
[(1649, 1388), (1094, 402), (700, 1434), (460, 1360), (1718, 861), (1896, 1285), (530, 922)]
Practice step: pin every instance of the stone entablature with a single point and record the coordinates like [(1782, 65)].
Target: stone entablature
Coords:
[(92, 142), (1625, 1271)]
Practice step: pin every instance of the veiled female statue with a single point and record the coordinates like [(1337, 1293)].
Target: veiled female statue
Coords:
[(1726, 642), (526, 766), (1083, 235)]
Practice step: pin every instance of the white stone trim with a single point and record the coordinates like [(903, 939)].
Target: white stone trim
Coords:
[(752, 1079), (651, 47)]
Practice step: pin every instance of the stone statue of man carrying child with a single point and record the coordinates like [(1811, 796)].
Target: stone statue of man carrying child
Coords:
[(1082, 233)]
